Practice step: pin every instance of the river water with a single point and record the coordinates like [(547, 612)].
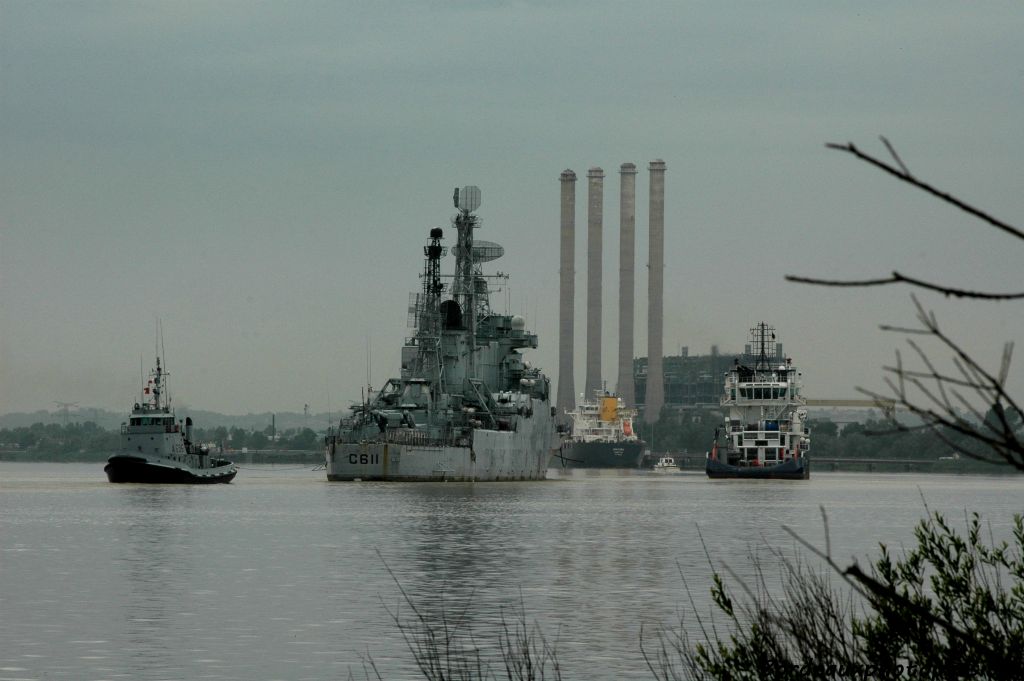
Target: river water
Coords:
[(282, 575)]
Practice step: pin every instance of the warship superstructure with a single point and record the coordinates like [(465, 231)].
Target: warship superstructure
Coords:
[(467, 405), (156, 449), (602, 436), (765, 429)]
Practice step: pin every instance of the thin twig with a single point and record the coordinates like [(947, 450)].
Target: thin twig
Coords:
[(898, 278), (906, 177)]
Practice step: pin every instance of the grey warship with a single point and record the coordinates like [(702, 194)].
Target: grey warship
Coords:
[(467, 405)]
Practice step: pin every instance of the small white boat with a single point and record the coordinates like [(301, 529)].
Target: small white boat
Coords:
[(666, 464)]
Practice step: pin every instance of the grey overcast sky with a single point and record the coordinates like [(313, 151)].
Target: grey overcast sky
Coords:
[(262, 177)]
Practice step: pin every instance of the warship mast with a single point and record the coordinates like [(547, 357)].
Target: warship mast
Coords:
[(463, 287)]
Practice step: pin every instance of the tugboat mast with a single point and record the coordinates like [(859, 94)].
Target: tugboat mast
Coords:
[(763, 352)]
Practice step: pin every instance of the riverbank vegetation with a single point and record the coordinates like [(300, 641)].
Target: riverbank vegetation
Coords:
[(89, 442)]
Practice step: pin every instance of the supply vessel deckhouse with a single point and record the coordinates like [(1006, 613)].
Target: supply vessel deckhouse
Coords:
[(765, 429), (467, 405), (154, 449), (602, 436)]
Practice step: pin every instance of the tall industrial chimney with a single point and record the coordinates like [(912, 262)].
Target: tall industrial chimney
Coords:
[(627, 289), (655, 397), (595, 223), (567, 294)]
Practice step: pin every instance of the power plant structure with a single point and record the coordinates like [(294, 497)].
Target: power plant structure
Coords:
[(566, 301), (655, 291), (595, 226), (626, 385)]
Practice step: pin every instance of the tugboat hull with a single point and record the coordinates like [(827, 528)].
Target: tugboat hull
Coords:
[(791, 469), (137, 469)]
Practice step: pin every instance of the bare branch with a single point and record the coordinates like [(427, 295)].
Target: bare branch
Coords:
[(948, 198), (898, 278), (897, 371)]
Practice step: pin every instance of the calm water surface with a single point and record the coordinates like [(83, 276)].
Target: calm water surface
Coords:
[(282, 575)]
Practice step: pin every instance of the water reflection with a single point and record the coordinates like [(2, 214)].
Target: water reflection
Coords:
[(279, 576), (155, 567)]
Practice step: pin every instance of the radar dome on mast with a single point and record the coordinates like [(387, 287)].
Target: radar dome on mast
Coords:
[(467, 199), (486, 251)]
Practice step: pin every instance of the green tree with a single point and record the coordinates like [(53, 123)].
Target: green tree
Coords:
[(935, 612), (258, 440), (304, 439), (238, 438), (824, 427)]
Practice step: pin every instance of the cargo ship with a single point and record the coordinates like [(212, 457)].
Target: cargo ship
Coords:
[(765, 432), (467, 405), (602, 436)]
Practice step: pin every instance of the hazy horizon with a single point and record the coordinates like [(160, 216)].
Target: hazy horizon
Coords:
[(262, 178)]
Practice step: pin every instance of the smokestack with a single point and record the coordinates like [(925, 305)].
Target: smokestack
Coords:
[(595, 222), (627, 288), (567, 294), (655, 398)]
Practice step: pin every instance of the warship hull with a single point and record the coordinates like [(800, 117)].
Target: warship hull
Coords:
[(790, 469), (126, 468), (492, 455), (600, 455)]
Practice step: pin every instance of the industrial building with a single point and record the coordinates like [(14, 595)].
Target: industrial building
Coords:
[(690, 381)]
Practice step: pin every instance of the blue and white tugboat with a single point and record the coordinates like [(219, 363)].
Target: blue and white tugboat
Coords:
[(765, 429), (467, 405), (155, 450)]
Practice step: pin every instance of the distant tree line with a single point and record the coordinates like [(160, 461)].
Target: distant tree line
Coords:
[(88, 441), (691, 430), (63, 441), (694, 430), (267, 438)]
